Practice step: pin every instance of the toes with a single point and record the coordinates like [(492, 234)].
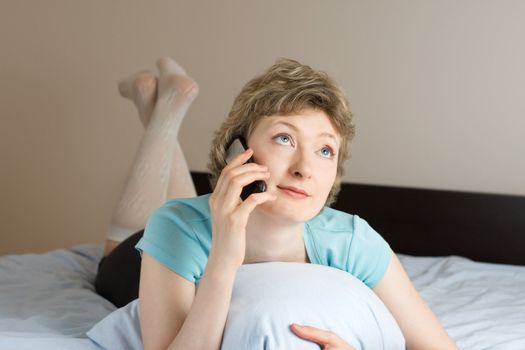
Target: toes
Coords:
[(167, 66), (173, 80), (125, 88)]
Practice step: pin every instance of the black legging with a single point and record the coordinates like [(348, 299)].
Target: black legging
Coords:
[(118, 273)]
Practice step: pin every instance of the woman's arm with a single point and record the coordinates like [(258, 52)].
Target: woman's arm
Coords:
[(419, 325), (170, 315), (173, 317)]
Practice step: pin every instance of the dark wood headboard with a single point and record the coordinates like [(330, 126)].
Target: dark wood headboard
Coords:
[(420, 222)]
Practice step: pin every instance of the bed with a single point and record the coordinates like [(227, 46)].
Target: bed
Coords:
[(464, 252)]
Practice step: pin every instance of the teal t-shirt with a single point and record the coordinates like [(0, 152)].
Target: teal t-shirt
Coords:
[(178, 235)]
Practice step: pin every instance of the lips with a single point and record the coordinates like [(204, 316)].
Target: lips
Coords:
[(293, 190)]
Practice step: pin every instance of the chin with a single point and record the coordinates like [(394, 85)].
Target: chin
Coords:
[(292, 210)]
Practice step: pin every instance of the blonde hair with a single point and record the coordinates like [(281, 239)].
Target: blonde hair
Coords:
[(286, 88)]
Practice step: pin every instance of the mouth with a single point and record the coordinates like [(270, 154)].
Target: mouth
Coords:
[(293, 191)]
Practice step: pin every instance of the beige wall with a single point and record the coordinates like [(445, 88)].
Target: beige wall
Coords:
[(437, 88)]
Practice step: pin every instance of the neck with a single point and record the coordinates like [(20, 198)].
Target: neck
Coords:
[(270, 239)]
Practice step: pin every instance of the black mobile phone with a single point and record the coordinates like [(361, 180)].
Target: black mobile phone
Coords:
[(235, 148)]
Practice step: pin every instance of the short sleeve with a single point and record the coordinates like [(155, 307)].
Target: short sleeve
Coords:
[(169, 238), (369, 254)]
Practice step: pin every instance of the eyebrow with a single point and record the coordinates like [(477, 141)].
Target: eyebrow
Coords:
[(324, 134)]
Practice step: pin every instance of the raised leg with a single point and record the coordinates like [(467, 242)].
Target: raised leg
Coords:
[(159, 170)]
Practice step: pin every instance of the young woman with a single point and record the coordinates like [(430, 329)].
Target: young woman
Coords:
[(298, 126)]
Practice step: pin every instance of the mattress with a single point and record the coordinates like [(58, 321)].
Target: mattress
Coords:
[(47, 301)]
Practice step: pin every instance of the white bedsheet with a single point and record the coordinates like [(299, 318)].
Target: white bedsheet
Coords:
[(481, 305), (47, 301)]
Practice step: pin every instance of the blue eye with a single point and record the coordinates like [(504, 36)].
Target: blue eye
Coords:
[(282, 139), (327, 152)]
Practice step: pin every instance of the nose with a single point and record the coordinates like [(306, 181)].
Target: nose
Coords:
[(301, 166)]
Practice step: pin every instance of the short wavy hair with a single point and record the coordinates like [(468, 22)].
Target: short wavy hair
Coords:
[(286, 88)]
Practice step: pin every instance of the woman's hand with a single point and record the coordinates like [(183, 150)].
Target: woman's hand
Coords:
[(229, 214), (325, 339)]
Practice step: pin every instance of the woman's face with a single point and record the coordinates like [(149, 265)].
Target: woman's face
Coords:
[(301, 153)]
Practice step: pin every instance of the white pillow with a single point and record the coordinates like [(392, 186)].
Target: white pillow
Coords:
[(119, 330), (268, 297)]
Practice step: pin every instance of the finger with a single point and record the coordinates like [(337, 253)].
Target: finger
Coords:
[(227, 195), (316, 335), (239, 160), (252, 201), (234, 188), (246, 167)]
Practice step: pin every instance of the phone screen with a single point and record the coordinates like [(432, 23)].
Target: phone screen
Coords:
[(237, 147)]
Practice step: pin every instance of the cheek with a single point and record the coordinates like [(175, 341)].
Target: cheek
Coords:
[(262, 160), (273, 160), (329, 175)]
